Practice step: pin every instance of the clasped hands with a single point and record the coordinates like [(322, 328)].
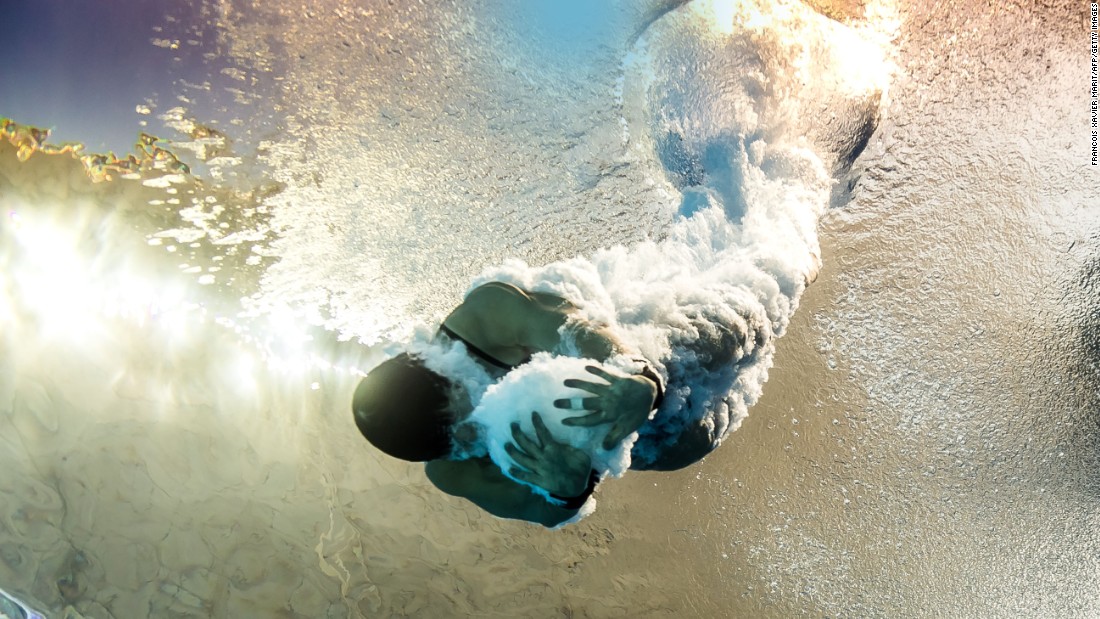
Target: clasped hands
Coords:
[(624, 401)]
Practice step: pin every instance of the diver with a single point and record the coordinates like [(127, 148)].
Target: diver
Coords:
[(411, 412)]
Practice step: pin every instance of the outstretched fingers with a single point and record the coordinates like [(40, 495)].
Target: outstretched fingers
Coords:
[(602, 373), (590, 387), (520, 457), (587, 421), (526, 451), (589, 404), (541, 431), (526, 443)]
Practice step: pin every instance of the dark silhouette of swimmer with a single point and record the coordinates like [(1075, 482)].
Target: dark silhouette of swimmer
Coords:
[(410, 412)]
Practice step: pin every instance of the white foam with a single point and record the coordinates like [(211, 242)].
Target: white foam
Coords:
[(533, 387), (706, 303)]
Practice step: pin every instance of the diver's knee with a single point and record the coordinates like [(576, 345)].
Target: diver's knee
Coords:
[(693, 444)]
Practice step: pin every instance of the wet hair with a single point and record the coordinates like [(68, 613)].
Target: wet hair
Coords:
[(404, 409)]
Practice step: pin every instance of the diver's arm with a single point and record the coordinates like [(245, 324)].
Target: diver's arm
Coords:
[(558, 468), (481, 482)]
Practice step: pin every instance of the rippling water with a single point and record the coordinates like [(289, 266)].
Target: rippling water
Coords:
[(181, 340)]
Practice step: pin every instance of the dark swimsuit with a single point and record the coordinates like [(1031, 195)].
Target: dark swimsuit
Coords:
[(475, 351)]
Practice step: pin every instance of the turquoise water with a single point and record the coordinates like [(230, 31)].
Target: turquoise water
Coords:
[(180, 348)]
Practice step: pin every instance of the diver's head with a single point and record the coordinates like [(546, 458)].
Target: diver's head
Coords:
[(406, 410)]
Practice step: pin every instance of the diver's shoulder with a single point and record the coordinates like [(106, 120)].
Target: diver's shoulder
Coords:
[(489, 316), (502, 293), (497, 289), (493, 298)]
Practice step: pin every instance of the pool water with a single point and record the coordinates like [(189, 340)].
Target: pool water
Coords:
[(180, 344)]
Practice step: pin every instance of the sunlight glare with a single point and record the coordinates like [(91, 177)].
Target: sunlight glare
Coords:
[(243, 373), (862, 49), (863, 53), (72, 294), (52, 280)]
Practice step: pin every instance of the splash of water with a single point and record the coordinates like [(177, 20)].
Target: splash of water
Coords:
[(715, 103)]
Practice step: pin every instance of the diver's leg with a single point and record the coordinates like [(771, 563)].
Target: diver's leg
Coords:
[(691, 446)]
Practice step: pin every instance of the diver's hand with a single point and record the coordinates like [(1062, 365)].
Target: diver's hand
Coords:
[(555, 467), (625, 402)]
